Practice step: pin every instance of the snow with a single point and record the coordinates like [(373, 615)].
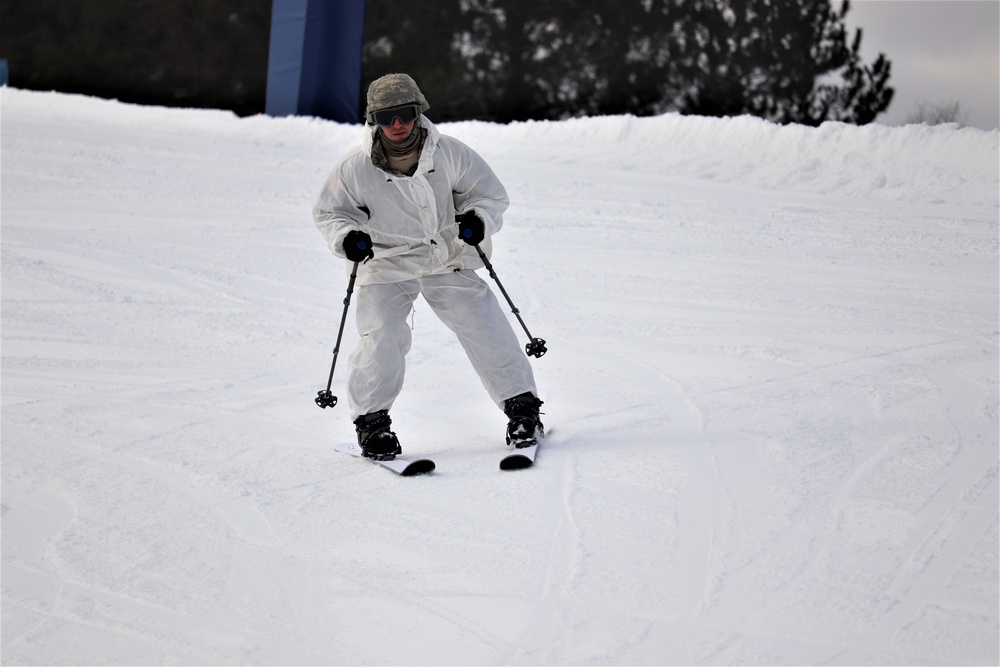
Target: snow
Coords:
[(772, 376)]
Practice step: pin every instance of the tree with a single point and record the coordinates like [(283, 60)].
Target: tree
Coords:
[(199, 53), (784, 60), (500, 60), (937, 114)]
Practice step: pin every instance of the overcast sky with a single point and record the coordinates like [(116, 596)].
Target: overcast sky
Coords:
[(942, 51)]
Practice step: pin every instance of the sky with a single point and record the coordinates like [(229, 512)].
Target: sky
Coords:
[(942, 51)]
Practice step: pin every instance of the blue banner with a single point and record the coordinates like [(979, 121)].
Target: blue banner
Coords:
[(314, 60)]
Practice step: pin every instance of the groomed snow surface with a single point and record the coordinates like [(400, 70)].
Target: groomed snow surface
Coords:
[(772, 376)]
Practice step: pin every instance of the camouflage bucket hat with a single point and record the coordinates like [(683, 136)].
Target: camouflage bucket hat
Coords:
[(393, 90)]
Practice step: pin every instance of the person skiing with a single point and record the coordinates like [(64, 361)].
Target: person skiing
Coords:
[(409, 206)]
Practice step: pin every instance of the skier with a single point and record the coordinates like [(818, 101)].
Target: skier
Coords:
[(410, 205)]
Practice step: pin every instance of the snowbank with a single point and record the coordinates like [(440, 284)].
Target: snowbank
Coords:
[(916, 163), (913, 163)]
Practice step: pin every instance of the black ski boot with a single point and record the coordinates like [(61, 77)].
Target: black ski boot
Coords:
[(376, 440), (524, 428)]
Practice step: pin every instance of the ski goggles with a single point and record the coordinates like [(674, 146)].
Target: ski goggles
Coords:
[(406, 113)]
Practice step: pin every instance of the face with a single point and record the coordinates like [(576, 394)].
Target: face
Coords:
[(398, 131), (397, 122)]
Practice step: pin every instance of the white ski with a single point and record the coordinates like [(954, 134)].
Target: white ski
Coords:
[(401, 465), (516, 459)]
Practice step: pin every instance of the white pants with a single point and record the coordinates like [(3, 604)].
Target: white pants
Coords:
[(466, 305)]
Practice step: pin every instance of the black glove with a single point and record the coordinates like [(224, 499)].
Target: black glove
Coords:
[(358, 246), (471, 228)]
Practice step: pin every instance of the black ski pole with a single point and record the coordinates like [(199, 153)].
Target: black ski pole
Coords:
[(325, 398), (536, 347)]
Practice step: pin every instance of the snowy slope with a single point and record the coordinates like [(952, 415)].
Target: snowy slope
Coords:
[(773, 368)]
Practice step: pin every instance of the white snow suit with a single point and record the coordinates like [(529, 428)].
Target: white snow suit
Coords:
[(411, 220)]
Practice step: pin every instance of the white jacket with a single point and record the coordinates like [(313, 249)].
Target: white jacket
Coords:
[(411, 219)]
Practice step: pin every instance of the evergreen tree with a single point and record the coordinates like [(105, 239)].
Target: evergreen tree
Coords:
[(500, 60), (783, 60), (198, 53), (788, 61)]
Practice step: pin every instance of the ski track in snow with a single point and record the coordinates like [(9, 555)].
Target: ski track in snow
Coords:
[(772, 376)]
